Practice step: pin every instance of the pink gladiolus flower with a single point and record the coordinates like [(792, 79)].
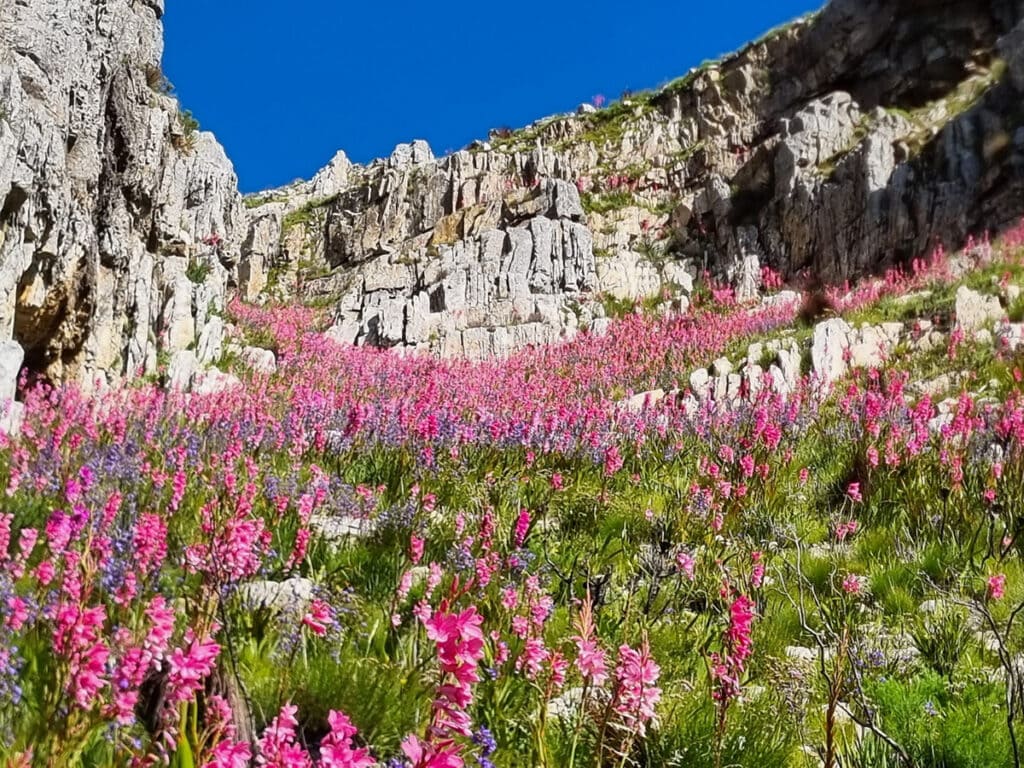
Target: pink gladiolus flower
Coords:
[(613, 461), (637, 693), (228, 754), (318, 617), (997, 586), (424, 755), (853, 584), (405, 585), (853, 491), (843, 530), (17, 613), (741, 622), (757, 572), (189, 668), (522, 528), (337, 751), (590, 661), (686, 564), (533, 658), (88, 674), (416, 545), (278, 747)]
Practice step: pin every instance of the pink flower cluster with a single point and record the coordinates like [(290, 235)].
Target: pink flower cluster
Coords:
[(459, 641), (636, 692), (727, 668)]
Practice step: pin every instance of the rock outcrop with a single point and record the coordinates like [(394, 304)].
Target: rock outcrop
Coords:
[(837, 145), (120, 222), (843, 143)]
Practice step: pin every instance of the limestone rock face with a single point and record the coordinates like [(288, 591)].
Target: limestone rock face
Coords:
[(487, 280), (120, 224), (838, 145), (975, 311), (829, 347), (841, 144), (11, 357)]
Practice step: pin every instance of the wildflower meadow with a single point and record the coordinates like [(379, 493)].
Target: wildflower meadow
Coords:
[(370, 558)]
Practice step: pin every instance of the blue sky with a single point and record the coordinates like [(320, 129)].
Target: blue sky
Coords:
[(284, 85)]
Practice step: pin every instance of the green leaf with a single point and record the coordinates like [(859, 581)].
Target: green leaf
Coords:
[(183, 757)]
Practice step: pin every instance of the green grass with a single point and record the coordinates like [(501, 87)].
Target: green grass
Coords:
[(606, 202), (256, 201)]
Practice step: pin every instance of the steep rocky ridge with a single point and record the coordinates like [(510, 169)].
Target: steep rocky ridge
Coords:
[(120, 223), (838, 145)]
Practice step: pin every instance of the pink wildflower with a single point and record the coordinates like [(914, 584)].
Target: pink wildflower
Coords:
[(318, 618), (853, 491), (336, 750), (686, 564), (853, 584), (996, 586), (637, 693), (522, 528)]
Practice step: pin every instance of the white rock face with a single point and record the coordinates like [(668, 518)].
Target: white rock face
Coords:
[(11, 358), (11, 417), (256, 358), (1011, 335), (211, 341), (182, 370), (289, 596), (495, 279), (644, 400), (213, 381), (828, 349), (109, 198), (337, 530), (333, 178), (976, 311)]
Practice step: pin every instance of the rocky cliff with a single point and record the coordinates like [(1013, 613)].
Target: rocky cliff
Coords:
[(120, 222), (840, 144), (837, 145)]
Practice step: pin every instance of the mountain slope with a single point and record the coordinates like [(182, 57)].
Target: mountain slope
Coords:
[(837, 145)]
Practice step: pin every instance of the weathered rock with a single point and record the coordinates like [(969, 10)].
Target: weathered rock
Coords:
[(828, 349), (483, 295), (567, 704), (182, 369), (12, 415), (700, 380), (291, 596), (870, 347), (334, 177), (1010, 335), (107, 193), (211, 342), (975, 311), (780, 299), (801, 653), (213, 381), (339, 529), (644, 400), (11, 358), (256, 358)]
